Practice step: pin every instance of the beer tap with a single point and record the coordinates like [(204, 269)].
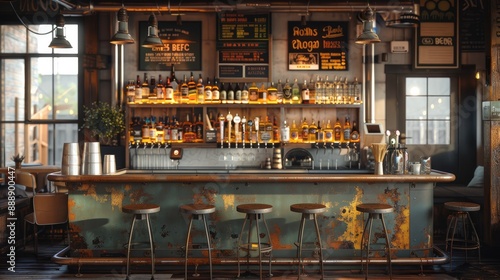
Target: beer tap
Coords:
[(243, 130), (250, 124), (229, 119), (256, 122), (237, 120), (221, 125)]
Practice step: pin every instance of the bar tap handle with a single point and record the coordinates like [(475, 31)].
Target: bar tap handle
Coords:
[(243, 130), (221, 125), (256, 122), (229, 119), (316, 145), (237, 121), (250, 124)]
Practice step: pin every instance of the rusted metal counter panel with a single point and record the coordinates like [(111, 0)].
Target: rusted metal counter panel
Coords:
[(100, 228)]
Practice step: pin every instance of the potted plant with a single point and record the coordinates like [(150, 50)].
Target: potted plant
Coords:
[(17, 159), (104, 121)]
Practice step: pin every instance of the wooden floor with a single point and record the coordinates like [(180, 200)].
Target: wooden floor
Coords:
[(30, 267)]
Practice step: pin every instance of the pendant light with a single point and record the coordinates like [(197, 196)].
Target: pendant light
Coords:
[(59, 41), (122, 36), (368, 36), (152, 40)]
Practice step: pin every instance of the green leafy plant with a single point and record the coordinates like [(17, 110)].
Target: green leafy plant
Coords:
[(104, 121)]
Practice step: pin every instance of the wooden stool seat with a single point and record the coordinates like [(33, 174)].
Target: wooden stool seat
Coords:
[(141, 208), (308, 208), (254, 208), (374, 208), (462, 206), (197, 209)]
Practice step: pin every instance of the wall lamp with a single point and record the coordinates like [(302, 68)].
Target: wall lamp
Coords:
[(368, 36), (59, 41), (152, 40), (122, 36)]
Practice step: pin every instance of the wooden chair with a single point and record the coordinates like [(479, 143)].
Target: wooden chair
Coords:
[(26, 179), (49, 209)]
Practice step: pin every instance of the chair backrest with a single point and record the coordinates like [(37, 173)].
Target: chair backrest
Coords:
[(27, 179), (50, 208)]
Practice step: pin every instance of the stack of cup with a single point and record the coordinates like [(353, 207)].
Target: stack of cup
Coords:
[(277, 163), (71, 159), (109, 164), (91, 159)]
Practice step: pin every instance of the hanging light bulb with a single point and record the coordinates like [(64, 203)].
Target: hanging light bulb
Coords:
[(152, 40), (59, 41), (122, 36), (368, 36)]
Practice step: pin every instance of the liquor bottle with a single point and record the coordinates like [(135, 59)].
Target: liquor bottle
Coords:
[(328, 132), (347, 129), (152, 130), (346, 97), (237, 94), (230, 94), (198, 128), (145, 88), (320, 133), (160, 89), (152, 89), (272, 94), (262, 94), (138, 90), (192, 92), (208, 92), (287, 93), (337, 131), (268, 128), (355, 132), (279, 92), (176, 132), (276, 131), (223, 93), (176, 98), (200, 91), (294, 133), (160, 137), (328, 91), (244, 94), (137, 129), (285, 132), (188, 134), (167, 132), (357, 91), (187, 125), (253, 93), (145, 130), (184, 92), (305, 93), (312, 92), (305, 131), (215, 92), (313, 129), (296, 93), (169, 91)]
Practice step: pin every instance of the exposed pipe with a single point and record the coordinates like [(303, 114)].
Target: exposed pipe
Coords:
[(60, 258), (372, 84)]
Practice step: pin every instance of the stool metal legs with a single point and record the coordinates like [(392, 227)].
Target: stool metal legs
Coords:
[(368, 225), (465, 217), (300, 240), (254, 217), (151, 244), (197, 217)]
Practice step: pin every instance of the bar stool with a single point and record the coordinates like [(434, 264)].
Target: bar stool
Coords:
[(141, 212), (197, 212), (254, 213), (309, 211), (461, 211), (375, 211)]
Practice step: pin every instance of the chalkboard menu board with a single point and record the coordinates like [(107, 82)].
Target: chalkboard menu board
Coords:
[(243, 41), (318, 45), (472, 29), (181, 47), (437, 37)]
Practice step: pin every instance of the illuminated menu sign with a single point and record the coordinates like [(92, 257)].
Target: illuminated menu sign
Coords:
[(318, 45), (181, 47), (243, 40)]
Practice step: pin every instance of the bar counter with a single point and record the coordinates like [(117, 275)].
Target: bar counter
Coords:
[(100, 229)]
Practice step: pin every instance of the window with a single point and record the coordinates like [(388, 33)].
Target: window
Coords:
[(428, 110), (38, 94)]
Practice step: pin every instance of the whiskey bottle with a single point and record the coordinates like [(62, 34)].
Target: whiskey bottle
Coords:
[(354, 132), (200, 91), (328, 132), (160, 89), (272, 94), (175, 86), (320, 133), (285, 132), (305, 131), (279, 92), (305, 93), (253, 93), (208, 92), (245, 94), (262, 94), (223, 93), (192, 92), (169, 91), (215, 92), (295, 93), (152, 90), (237, 94), (347, 129), (230, 94), (138, 90), (337, 131), (287, 93), (184, 92), (145, 88), (313, 129), (294, 133)]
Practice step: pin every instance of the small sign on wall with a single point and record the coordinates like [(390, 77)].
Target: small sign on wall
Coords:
[(181, 47)]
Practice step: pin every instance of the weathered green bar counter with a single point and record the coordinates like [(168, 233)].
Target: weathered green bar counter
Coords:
[(100, 229)]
